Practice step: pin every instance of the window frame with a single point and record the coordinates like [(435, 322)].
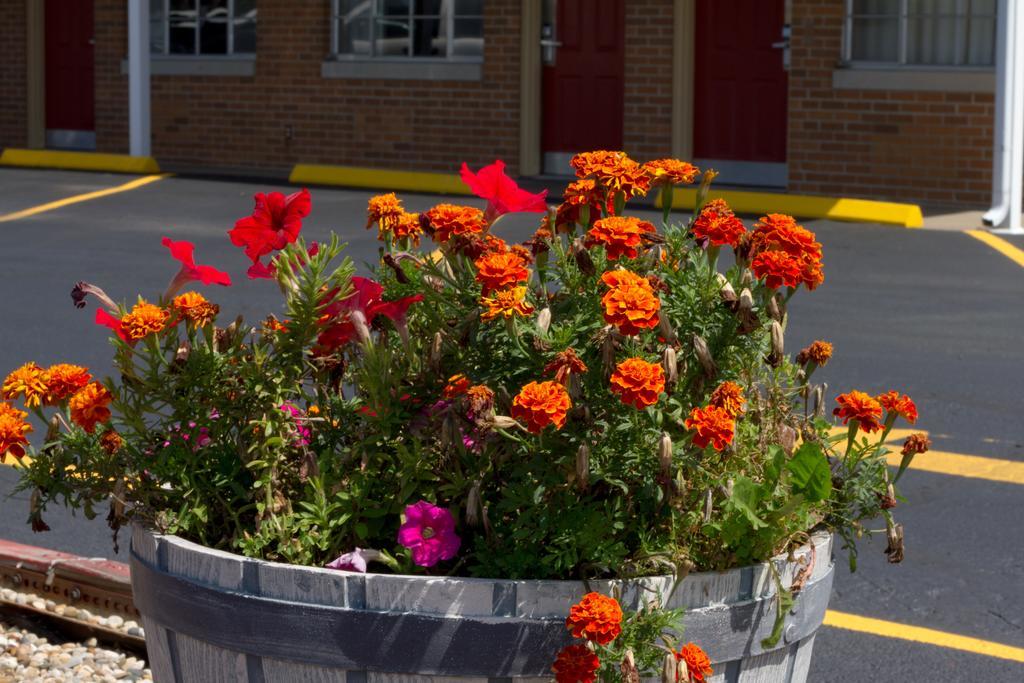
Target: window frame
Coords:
[(960, 16), (449, 58), (229, 53)]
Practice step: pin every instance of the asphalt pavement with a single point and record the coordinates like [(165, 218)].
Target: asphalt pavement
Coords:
[(937, 315)]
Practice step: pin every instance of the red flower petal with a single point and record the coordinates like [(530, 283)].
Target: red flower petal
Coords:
[(503, 194), (181, 251), (275, 222), (107, 320)]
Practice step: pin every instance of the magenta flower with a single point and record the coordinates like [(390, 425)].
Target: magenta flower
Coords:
[(354, 561), (429, 531), (303, 434)]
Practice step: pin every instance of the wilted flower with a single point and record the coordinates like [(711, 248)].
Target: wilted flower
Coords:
[(429, 531), (564, 364), (355, 561), (916, 444), (729, 396)]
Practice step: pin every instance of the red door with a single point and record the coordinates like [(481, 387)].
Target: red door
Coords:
[(583, 89), (70, 116), (740, 87)]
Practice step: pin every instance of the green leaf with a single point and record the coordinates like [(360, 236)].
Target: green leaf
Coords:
[(745, 497), (811, 474)]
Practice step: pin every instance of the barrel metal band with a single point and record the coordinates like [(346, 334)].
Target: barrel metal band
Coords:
[(412, 643)]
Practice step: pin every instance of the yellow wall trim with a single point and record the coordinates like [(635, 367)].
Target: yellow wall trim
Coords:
[(808, 206), (378, 178), (78, 161)]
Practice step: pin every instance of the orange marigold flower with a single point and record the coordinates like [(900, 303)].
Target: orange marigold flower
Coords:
[(777, 231), (457, 386), (777, 268), (916, 444), (480, 398), (596, 617), (899, 404), (576, 664), (717, 224), (614, 171), (819, 353), (28, 381), (729, 396), (385, 210), (507, 303), (448, 219), (698, 664), (540, 404), (63, 380), (630, 303), (111, 442), (711, 425), (540, 243), (582, 193), (193, 307), (811, 271), (522, 252), (144, 319), (408, 227), (13, 430), (637, 382), (497, 270), (856, 405), (89, 406), (671, 172), (620, 235), (565, 364)]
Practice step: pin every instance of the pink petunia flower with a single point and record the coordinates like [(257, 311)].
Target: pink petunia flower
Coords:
[(355, 561), (184, 253), (274, 223), (298, 416), (502, 193), (429, 531)]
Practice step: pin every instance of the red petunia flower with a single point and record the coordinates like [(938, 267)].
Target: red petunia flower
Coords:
[(268, 271), (184, 253), (105, 319), (502, 193), (365, 301), (274, 223)]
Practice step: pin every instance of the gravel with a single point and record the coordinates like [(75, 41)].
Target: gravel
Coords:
[(24, 656)]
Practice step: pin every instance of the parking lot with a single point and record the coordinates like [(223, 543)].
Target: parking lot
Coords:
[(936, 314)]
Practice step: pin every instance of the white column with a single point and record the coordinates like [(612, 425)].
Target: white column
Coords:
[(138, 78), (1013, 224), (996, 215)]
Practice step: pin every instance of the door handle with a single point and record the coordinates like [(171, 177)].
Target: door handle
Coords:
[(781, 45), (550, 43)]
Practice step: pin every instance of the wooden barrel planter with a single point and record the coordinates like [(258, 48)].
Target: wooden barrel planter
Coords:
[(213, 616)]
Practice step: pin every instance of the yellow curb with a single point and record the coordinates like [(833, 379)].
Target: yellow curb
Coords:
[(807, 206), (378, 178), (917, 634), (75, 199), (1008, 250), (78, 161)]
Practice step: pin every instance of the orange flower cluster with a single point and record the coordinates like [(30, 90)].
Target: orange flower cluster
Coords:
[(194, 308), (111, 442), (711, 425), (818, 352), (630, 303), (143, 320), (717, 224), (497, 270), (620, 235), (506, 303), (576, 664), (540, 404), (408, 227), (447, 220), (457, 386), (637, 382), (28, 381), (13, 431), (63, 380), (480, 398), (671, 172), (596, 617), (899, 404), (565, 364), (856, 405), (385, 210), (916, 444), (780, 234), (89, 406), (698, 664), (614, 171), (729, 397)]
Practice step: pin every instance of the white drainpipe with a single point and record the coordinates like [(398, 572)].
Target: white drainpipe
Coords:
[(138, 78), (1008, 162)]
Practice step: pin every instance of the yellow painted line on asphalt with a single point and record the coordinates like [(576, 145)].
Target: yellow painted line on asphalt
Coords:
[(918, 634), (78, 161), (1010, 251), (75, 199)]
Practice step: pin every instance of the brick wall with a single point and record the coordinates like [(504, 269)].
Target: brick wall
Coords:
[(13, 129), (289, 113), (910, 146), (648, 112)]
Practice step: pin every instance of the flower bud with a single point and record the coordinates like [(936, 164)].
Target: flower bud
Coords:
[(434, 358), (725, 289), (665, 454), (894, 536), (819, 400), (708, 505), (448, 431), (358, 319), (775, 309), (700, 348), (670, 670), (544, 320), (745, 312), (670, 364), (583, 467), (503, 422), (608, 352), (775, 358), (747, 278), (889, 499), (473, 505), (665, 327), (582, 256), (630, 674)]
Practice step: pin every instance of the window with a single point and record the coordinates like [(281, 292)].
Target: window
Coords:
[(449, 30), (202, 27), (950, 33)]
